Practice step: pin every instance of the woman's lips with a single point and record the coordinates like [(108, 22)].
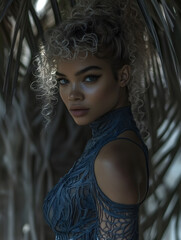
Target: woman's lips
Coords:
[(79, 112)]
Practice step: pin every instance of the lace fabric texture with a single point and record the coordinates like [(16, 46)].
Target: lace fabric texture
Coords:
[(76, 208)]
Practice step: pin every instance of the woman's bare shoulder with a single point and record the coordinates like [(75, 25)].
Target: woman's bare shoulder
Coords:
[(120, 171)]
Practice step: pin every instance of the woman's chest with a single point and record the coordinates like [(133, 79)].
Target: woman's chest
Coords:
[(71, 201)]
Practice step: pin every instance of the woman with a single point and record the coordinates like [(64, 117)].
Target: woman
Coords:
[(96, 59)]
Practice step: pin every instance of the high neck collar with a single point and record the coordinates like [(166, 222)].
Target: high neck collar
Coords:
[(113, 122)]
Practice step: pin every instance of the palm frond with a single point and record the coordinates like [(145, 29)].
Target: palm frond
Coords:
[(164, 143), (161, 19), (12, 69), (4, 5), (55, 8), (37, 21)]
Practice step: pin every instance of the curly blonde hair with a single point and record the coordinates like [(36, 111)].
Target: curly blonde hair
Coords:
[(115, 31)]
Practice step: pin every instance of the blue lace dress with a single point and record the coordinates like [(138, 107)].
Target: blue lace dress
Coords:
[(76, 208)]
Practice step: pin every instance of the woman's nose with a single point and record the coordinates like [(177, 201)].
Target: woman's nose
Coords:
[(75, 94)]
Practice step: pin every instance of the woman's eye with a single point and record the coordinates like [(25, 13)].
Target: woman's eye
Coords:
[(91, 78), (62, 81)]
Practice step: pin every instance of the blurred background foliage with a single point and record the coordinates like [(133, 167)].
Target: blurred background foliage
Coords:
[(32, 159)]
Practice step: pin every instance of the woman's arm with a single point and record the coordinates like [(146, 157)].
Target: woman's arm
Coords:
[(120, 170)]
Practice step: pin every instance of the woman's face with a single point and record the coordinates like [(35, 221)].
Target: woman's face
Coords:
[(89, 89)]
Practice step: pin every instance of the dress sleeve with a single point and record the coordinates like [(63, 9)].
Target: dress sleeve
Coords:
[(116, 221)]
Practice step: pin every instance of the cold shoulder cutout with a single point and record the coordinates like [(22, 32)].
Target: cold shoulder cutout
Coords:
[(120, 173), (76, 208)]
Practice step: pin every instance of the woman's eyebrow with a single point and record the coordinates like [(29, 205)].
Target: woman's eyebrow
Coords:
[(60, 74), (81, 71)]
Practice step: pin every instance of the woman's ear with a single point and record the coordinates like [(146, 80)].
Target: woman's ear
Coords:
[(124, 75)]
